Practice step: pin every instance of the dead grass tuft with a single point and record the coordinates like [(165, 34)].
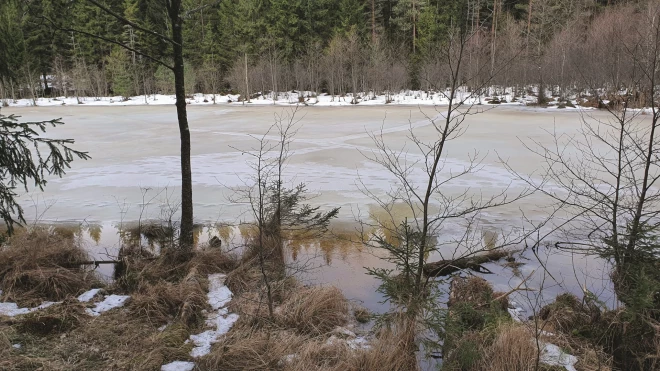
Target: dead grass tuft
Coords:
[(565, 314), (361, 314), (244, 278), (58, 318), (512, 350), (163, 347), (314, 310), (474, 290), (251, 349), (40, 265), (166, 302), (318, 354), (211, 260)]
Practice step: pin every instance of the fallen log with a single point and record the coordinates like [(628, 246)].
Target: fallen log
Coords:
[(474, 262)]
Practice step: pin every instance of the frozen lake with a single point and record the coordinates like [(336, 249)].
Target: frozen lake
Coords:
[(136, 147)]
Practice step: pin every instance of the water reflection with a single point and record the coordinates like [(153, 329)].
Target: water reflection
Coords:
[(340, 257)]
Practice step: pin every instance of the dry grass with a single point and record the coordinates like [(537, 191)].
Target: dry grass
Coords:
[(512, 350), (55, 319), (253, 349), (212, 260), (361, 314), (245, 277), (476, 291), (117, 340), (165, 302), (40, 265), (388, 352), (314, 310)]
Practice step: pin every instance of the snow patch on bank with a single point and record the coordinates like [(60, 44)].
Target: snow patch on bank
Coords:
[(219, 320), (110, 302), (178, 366), (12, 309), (89, 295), (552, 355), (405, 97)]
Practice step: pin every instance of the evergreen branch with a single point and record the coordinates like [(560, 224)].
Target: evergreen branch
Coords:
[(200, 8), (132, 24), (115, 42)]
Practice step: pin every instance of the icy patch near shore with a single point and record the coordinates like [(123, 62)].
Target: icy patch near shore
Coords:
[(12, 309), (178, 366), (220, 320), (110, 302), (89, 295)]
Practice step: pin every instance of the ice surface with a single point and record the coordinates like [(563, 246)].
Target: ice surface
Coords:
[(89, 295), (110, 302), (178, 366)]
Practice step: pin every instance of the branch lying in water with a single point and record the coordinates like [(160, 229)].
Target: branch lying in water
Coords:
[(447, 267)]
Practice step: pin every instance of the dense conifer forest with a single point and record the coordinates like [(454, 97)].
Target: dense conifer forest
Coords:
[(71, 47)]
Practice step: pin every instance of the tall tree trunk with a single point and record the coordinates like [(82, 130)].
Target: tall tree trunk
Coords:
[(186, 237), (414, 28)]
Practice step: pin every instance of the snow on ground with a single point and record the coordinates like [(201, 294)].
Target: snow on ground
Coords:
[(178, 366), (110, 302), (349, 338), (287, 98), (219, 295), (89, 295), (552, 355), (219, 320), (12, 309)]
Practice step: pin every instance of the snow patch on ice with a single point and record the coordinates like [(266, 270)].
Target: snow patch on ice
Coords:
[(110, 302), (89, 295), (178, 366), (12, 309), (220, 320)]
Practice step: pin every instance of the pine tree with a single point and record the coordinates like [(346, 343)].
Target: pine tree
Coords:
[(118, 67), (12, 47)]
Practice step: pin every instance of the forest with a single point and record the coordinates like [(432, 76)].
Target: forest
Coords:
[(72, 48)]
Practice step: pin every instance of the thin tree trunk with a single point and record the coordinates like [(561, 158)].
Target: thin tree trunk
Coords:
[(373, 21), (247, 86), (186, 237)]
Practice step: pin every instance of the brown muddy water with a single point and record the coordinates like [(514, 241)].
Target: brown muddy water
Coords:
[(134, 172)]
